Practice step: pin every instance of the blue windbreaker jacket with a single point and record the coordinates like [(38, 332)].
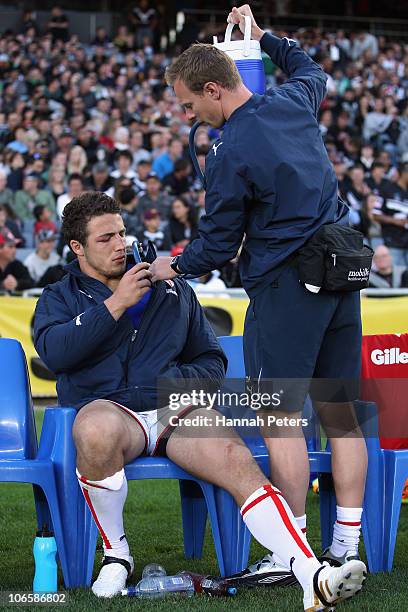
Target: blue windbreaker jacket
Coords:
[(268, 176), (94, 356)]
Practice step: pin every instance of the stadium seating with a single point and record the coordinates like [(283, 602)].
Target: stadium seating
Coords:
[(20, 458)]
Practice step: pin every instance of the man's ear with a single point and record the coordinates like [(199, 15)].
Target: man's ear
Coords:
[(77, 248), (212, 89)]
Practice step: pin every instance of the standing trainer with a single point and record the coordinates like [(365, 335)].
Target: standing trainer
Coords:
[(269, 178)]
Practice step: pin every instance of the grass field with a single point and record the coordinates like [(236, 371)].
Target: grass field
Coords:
[(153, 527)]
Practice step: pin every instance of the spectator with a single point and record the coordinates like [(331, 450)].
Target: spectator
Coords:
[(8, 223), (130, 210), (44, 264), (16, 174), (353, 191), (6, 195), (211, 282), (143, 17), (137, 149), (394, 217), (180, 181), (154, 197), (43, 220), (14, 276), (377, 182), (56, 181), (75, 188), (152, 231), (385, 273), (144, 168), (164, 163), (30, 196), (58, 25), (369, 226), (182, 223), (100, 179), (77, 160), (124, 160)]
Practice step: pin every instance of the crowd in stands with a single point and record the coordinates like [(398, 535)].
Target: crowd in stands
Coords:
[(76, 116)]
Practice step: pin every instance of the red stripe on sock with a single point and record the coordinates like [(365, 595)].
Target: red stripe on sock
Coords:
[(274, 495), (349, 524), (257, 501), (92, 509), (91, 484), (288, 523), (304, 530)]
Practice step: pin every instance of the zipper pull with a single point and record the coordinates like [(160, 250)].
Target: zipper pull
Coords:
[(133, 338), (334, 258)]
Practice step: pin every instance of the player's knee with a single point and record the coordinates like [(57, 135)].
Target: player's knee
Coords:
[(93, 435), (235, 456)]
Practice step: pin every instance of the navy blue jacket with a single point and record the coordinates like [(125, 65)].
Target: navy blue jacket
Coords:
[(268, 176), (94, 356)]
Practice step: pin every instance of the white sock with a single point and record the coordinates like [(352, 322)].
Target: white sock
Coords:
[(301, 523), (346, 531), (270, 520), (106, 499)]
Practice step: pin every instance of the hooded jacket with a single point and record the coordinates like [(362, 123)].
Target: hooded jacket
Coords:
[(94, 356)]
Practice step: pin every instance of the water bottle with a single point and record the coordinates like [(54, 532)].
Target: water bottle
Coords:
[(159, 586), (45, 549), (211, 585), (152, 570), (247, 56)]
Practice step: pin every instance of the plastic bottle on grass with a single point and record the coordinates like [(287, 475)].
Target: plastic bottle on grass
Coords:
[(153, 569), (211, 585), (159, 586), (45, 549)]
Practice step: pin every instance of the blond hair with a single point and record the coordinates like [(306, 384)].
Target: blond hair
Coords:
[(200, 64)]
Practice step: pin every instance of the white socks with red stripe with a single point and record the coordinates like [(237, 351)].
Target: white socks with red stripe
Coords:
[(346, 531), (106, 499), (301, 523), (270, 520)]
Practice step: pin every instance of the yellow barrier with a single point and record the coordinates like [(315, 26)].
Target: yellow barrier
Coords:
[(380, 316)]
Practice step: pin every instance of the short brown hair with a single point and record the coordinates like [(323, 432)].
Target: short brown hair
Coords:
[(79, 211), (200, 64)]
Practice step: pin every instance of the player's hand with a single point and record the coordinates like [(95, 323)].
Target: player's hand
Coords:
[(237, 16), (161, 269), (134, 284)]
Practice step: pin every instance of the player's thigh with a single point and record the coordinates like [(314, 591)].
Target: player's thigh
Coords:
[(214, 452)]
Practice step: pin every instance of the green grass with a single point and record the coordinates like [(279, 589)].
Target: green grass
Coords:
[(153, 527)]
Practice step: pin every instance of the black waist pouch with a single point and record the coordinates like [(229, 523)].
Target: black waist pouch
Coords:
[(336, 259)]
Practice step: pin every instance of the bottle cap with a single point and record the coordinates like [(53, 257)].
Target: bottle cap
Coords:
[(45, 532)]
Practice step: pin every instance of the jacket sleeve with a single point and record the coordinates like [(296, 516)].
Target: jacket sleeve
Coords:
[(202, 358), (65, 341), (298, 66), (221, 229), (22, 275)]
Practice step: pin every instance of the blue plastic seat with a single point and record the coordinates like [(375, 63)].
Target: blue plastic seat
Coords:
[(197, 498), (20, 458), (396, 473)]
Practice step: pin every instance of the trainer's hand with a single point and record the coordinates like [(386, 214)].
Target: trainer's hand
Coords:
[(161, 269), (237, 16), (134, 284)]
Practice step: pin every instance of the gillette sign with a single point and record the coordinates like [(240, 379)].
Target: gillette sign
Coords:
[(389, 356)]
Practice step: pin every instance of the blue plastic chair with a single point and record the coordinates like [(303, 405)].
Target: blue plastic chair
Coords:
[(20, 458), (396, 472), (197, 498), (236, 540)]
